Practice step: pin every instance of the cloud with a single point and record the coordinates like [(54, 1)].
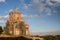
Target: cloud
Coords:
[(53, 3), (41, 5), (49, 14), (1, 17), (36, 15), (48, 11), (48, 1), (36, 1), (2, 0), (30, 16), (22, 2), (57, 0), (2, 21), (10, 10), (33, 16), (23, 15), (25, 6)]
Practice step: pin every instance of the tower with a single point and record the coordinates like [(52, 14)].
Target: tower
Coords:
[(16, 25)]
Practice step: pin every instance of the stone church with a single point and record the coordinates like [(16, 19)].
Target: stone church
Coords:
[(16, 25)]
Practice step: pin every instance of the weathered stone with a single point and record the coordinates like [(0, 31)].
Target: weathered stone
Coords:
[(16, 25)]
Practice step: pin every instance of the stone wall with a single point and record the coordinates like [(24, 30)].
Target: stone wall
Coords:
[(16, 25)]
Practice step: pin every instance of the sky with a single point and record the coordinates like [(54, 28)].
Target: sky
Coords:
[(41, 15)]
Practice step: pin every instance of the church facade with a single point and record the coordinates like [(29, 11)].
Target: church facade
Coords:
[(16, 25)]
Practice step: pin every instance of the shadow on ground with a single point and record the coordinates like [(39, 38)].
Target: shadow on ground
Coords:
[(14, 38)]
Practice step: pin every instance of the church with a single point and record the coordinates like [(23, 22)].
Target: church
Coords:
[(16, 25)]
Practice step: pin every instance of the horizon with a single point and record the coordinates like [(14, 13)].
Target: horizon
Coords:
[(41, 15)]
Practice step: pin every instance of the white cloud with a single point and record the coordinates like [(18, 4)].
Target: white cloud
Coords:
[(38, 4), (30, 16), (57, 0), (49, 14), (6, 16), (22, 1), (36, 1), (48, 11), (25, 6), (2, 21), (23, 15), (1, 17), (41, 7), (53, 4), (2, 0), (33, 16), (10, 10), (49, 2)]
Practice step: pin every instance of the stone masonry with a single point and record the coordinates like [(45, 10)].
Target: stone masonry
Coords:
[(16, 25)]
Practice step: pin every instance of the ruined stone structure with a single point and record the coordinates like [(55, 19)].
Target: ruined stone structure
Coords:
[(16, 25)]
